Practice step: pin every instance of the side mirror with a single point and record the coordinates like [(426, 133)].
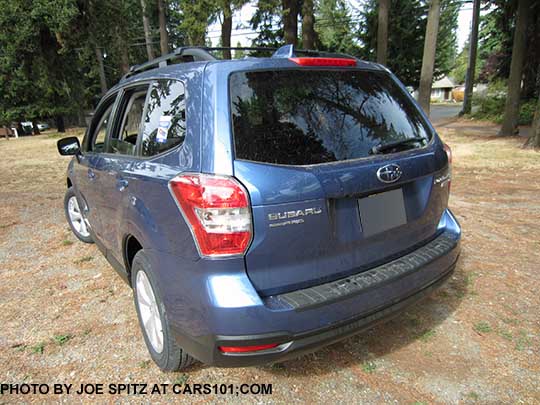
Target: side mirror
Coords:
[(68, 146)]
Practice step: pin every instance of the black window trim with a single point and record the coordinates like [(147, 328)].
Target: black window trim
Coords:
[(118, 120), (425, 121), (89, 137)]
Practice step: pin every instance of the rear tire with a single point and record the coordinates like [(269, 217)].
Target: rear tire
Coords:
[(75, 217), (153, 318)]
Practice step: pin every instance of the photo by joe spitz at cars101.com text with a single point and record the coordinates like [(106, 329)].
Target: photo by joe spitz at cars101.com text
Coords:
[(183, 222)]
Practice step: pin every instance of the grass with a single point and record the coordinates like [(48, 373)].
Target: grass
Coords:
[(144, 364), (67, 242), (39, 348), (427, 335), (482, 327), (369, 367), (505, 334), (181, 379), (523, 341), (84, 259), (473, 395), (61, 339)]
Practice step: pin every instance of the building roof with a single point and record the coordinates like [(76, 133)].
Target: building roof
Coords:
[(443, 83)]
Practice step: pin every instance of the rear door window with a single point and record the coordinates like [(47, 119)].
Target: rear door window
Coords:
[(303, 117), (123, 139), (164, 125)]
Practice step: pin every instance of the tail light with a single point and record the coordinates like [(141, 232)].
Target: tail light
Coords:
[(449, 155), (217, 210), (246, 349)]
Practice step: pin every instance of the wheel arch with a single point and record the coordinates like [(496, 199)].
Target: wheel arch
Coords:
[(131, 246)]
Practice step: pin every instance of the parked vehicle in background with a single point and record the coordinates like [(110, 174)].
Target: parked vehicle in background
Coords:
[(261, 208), (43, 126)]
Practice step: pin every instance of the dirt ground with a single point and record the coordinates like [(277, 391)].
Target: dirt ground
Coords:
[(65, 317)]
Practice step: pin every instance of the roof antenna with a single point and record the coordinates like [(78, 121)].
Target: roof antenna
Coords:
[(286, 51)]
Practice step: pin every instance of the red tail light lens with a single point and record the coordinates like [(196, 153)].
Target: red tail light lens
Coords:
[(217, 210), (324, 61), (246, 349), (448, 153)]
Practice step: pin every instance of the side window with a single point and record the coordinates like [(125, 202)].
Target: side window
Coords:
[(165, 119), (98, 129), (124, 137)]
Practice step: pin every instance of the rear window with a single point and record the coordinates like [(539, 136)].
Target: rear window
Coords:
[(302, 117)]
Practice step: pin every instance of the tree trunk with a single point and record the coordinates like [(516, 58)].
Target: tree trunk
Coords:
[(147, 32), (471, 68), (290, 21), (428, 60), (511, 108), (163, 33), (60, 125), (101, 68), (226, 29), (534, 140), (382, 32), (308, 25)]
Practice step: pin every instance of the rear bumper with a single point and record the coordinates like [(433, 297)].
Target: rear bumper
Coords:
[(302, 321)]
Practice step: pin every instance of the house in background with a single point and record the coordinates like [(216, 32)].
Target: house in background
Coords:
[(441, 90)]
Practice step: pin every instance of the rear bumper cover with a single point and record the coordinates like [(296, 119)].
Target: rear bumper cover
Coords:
[(304, 320)]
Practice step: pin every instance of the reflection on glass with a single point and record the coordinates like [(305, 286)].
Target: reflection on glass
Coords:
[(302, 117), (165, 119)]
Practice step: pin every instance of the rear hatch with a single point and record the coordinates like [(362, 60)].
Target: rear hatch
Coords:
[(330, 194)]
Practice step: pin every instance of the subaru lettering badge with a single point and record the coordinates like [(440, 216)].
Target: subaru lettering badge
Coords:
[(389, 173)]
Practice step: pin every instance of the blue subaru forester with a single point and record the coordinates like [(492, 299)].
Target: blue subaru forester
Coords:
[(264, 207)]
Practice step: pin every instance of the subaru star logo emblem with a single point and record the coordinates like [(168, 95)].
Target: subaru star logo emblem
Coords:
[(389, 173)]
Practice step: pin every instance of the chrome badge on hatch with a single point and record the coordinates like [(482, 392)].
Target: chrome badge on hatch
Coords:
[(389, 173), (293, 217)]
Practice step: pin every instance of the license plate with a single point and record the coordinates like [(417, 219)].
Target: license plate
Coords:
[(381, 212)]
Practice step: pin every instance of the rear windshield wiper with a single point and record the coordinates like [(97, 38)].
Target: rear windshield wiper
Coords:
[(382, 147)]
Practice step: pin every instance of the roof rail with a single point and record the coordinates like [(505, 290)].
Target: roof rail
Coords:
[(185, 54), (202, 53)]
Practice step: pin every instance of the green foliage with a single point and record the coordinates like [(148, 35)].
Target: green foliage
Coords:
[(267, 22), (61, 339), (491, 105), (482, 327), (196, 16), (334, 27), (526, 112), (459, 71)]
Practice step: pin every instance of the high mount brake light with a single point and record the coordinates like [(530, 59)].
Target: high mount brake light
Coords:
[(324, 61), (217, 210)]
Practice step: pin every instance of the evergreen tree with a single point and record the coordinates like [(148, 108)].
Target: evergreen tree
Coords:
[(334, 27), (406, 32)]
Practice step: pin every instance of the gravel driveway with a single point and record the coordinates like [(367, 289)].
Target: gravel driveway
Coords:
[(67, 318)]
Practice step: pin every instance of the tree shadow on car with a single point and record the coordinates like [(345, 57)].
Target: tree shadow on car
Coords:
[(419, 322)]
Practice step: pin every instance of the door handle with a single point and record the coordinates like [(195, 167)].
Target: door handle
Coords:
[(121, 184), (91, 174)]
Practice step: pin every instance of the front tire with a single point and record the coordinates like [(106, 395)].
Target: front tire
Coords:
[(153, 318), (75, 216)]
